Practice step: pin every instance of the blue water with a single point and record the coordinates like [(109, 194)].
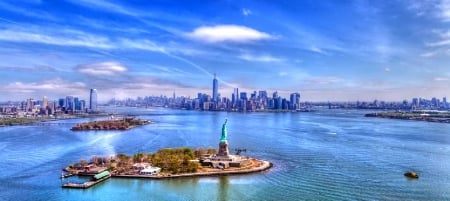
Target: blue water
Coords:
[(324, 155)]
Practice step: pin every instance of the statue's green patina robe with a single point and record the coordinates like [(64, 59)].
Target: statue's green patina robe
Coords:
[(224, 132)]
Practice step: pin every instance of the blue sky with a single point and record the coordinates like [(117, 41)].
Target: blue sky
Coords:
[(326, 50)]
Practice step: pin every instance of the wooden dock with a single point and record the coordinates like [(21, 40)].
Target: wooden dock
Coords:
[(85, 185)]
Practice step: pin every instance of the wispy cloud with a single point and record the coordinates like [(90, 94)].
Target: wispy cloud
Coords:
[(431, 8), (25, 12), (444, 8), (166, 72), (421, 8), (106, 6), (439, 43), (246, 12), (312, 40), (141, 16), (28, 69), (429, 54), (317, 50), (142, 45), (260, 58), (45, 87), (102, 69), (227, 33), (441, 79), (322, 80), (60, 38), (69, 37)]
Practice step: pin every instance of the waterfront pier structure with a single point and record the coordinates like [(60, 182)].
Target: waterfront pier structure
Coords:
[(98, 178)]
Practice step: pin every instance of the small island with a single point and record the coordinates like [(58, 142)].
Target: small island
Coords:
[(113, 124), (167, 163), (420, 115)]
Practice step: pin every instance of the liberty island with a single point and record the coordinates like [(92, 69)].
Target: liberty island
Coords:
[(192, 163)]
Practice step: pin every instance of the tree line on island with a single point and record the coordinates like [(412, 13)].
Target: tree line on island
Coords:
[(419, 115), (170, 160), (16, 121), (114, 124)]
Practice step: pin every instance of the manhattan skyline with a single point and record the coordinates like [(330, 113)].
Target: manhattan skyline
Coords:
[(327, 50)]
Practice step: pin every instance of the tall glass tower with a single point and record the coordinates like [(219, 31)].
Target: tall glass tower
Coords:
[(93, 100), (215, 89)]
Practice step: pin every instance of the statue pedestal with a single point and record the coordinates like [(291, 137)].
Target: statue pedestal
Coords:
[(223, 149)]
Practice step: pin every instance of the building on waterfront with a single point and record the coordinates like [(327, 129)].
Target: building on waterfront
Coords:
[(93, 100), (150, 171), (146, 169)]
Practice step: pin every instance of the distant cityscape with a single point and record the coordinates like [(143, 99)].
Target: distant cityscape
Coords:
[(239, 102), (45, 107)]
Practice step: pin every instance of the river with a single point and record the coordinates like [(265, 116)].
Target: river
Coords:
[(322, 155)]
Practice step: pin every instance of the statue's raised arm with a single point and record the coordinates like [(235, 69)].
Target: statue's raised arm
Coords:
[(224, 132)]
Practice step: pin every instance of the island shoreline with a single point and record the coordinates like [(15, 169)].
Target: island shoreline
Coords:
[(265, 166)]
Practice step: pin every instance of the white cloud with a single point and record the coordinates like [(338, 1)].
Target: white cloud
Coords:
[(387, 69), (260, 58), (282, 74), (227, 33), (246, 12), (102, 69)]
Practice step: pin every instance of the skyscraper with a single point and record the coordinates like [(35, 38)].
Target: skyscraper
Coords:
[(93, 100), (236, 93), (215, 89), (275, 95), (29, 105), (295, 101), (70, 104), (44, 102), (243, 95)]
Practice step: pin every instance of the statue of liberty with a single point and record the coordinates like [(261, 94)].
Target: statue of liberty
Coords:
[(224, 132)]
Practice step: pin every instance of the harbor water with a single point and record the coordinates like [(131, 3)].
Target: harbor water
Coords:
[(322, 155)]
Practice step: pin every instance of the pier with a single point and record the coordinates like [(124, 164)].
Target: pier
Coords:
[(98, 178)]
